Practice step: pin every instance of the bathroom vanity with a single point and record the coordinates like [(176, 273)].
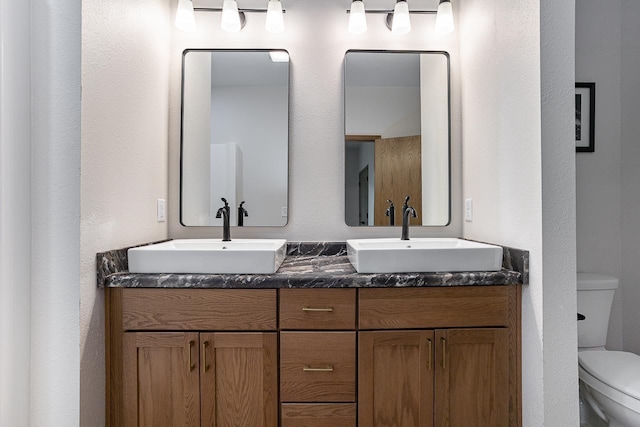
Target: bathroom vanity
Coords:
[(315, 344)]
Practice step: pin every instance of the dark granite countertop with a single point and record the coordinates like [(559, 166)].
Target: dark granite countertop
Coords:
[(309, 265)]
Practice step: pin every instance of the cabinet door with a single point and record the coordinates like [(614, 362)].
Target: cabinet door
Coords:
[(472, 377), (239, 379), (161, 383), (395, 378)]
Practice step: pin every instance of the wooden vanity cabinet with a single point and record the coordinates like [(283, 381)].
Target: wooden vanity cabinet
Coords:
[(371, 357), (165, 370), (423, 363)]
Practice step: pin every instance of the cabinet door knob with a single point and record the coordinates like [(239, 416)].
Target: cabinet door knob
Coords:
[(308, 368)]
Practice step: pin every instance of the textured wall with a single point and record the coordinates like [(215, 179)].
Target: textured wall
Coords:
[(560, 338), (125, 92), (608, 196), (598, 177), (501, 154), (517, 78), (630, 152), (55, 210), (15, 213), (317, 40)]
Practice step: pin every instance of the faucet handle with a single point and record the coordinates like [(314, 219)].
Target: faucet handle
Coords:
[(390, 208), (242, 210), (226, 204)]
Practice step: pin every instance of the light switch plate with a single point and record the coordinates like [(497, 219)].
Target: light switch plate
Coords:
[(468, 210), (162, 210)]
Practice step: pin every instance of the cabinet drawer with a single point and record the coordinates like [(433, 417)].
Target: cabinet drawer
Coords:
[(317, 366), (199, 309), (323, 309), (318, 415), (436, 307)]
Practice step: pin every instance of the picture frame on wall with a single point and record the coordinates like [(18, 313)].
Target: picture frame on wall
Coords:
[(585, 117)]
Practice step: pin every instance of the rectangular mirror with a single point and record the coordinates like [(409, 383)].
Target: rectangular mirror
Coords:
[(234, 136), (397, 137)]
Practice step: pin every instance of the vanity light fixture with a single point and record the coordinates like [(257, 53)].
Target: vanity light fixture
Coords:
[(275, 20), (357, 18), (398, 20), (233, 18), (185, 19)]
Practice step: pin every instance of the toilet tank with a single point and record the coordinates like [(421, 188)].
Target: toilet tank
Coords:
[(595, 295)]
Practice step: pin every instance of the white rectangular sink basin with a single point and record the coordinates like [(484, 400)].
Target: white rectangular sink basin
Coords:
[(209, 256), (422, 255)]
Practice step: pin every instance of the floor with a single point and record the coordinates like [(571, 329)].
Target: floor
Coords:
[(588, 418)]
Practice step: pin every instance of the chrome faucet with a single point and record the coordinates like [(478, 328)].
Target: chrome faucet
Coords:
[(406, 211), (242, 212), (224, 213)]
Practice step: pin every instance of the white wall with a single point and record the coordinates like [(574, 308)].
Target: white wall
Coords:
[(608, 196), (55, 197), (557, 64), (598, 177), (125, 92), (517, 79), (262, 148), (197, 90), (397, 113), (39, 214), (630, 154), (434, 130), (317, 39), (15, 213)]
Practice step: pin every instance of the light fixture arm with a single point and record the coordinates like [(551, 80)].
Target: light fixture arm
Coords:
[(219, 9), (387, 11)]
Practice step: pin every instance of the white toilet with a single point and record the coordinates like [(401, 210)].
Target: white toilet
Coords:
[(609, 380)]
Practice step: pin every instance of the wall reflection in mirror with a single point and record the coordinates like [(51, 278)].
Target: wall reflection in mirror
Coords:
[(235, 132), (397, 126)]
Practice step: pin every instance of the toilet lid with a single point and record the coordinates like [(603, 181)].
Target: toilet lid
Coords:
[(617, 369)]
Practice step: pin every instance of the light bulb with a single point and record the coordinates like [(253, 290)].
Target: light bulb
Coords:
[(230, 16), (401, 22), (357, 18), (184, 16), (275, 21), (444, 18)]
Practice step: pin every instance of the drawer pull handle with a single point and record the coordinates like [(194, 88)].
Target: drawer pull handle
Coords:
[(308, 368), (192, 365), (430, 350), (326, 310)]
